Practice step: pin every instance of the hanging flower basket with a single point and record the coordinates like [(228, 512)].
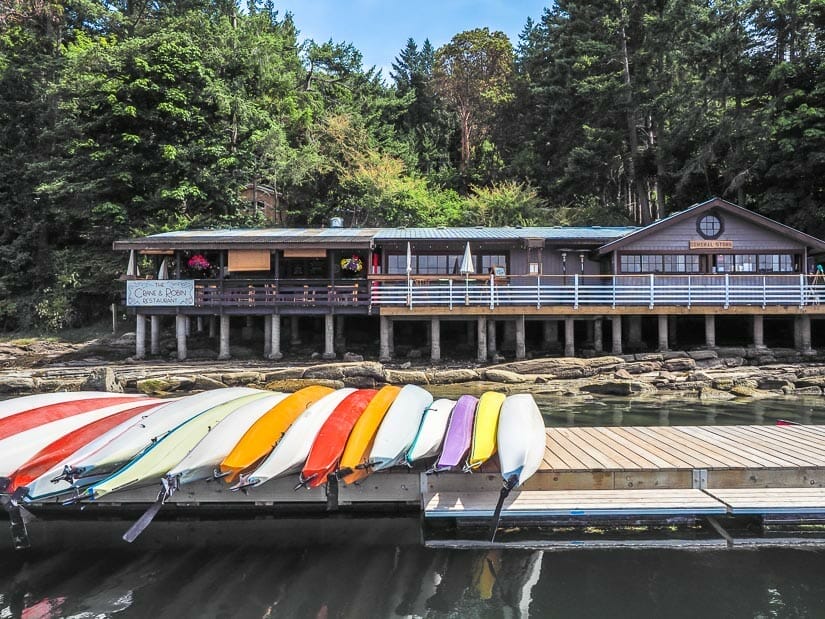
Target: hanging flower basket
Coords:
[(352, 265), (198, 263)]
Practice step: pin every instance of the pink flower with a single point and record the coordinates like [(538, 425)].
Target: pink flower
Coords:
[(198, 263)]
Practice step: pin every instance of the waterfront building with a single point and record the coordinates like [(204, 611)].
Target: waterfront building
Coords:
[(713, 274)]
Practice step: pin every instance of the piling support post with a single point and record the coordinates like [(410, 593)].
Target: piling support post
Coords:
[(803, 324), (758, 331), (329, 336), (275, 337), (710, 331), (481, 329), (492, 350), (663, 332), (386, 344), (140, 336), (295, 331), (521, 343), (598, 335), (435, 339), (569, 336), (616, 328), (267, 337), (181, 321), (154, 335), (223, 344)]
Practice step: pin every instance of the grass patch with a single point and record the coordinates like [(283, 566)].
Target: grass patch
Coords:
[(69, 336)]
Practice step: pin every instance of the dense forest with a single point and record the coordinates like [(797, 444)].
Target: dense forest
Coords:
[(126, 117)]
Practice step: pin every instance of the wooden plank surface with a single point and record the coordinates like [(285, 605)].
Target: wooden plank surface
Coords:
[(574, 503), (650, 448), (771, 500)]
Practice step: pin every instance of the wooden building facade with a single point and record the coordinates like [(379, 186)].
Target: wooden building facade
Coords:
[(551, 289)]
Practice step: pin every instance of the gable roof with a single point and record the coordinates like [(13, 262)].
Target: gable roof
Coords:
[(714, 204)]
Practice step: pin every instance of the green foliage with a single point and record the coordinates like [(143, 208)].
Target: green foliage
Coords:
[(128, 118)]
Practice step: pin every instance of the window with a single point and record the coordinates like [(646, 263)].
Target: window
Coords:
[(709, 226), (631, 263), (397, 264), (775, 263), (424, 264), (744, 263), (681, 263), (658, 263), (490, 261)]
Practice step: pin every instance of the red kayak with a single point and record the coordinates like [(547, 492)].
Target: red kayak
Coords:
[(329, 445), (65, 446), (20, 422)]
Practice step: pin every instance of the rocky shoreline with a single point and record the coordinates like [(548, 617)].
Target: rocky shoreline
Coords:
[(718, 374)]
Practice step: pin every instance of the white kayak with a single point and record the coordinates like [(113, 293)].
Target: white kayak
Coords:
[(399, 427), (521, 439), (201, 462), (18, 448), (431, 433), (29, 402), (151, 465), (47, 485), (119, 450), (292, 450)]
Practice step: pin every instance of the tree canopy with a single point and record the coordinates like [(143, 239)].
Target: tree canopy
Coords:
[(124, 118)]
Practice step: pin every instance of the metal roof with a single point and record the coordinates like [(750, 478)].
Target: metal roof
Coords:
[(595, 233), (342, 237)]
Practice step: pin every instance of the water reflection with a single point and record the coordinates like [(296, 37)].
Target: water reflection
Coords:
[(663, 412), (388, 580)]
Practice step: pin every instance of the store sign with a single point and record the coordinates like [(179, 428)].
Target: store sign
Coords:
[(711, 244), (162, 292)]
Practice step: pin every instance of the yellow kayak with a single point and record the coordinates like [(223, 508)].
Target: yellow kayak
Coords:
[(359, 444), (485, 429), (265, 433)]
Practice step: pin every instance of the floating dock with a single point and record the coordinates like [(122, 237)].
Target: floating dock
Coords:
[(677, 474)]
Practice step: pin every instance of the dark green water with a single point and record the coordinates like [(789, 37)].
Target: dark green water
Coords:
[(357, 568)]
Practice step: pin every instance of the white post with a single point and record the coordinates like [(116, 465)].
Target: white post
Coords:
[(710, 330), (663, 343), (223, 344), (329, 336), (385, 351), (569, 335), (140, 336), (802, 290), (521, 345), (492, 290), (575, 292), (758, 331), (652, 289), (180, 329), (267, 337), (616, 324), (154, 335), (275, 337), (727, 290), (435, 339)]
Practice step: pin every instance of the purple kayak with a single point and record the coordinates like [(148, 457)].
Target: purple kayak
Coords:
[(459, 434)]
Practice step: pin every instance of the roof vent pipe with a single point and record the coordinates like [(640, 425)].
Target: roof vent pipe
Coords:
[(336, 222)]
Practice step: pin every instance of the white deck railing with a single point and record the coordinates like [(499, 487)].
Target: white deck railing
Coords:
[(582, 290)]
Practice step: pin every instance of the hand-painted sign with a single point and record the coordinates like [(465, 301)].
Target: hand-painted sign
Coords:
[(710, 244), (169, 292)]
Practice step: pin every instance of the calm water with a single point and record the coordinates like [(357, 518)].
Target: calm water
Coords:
[(354, 568)]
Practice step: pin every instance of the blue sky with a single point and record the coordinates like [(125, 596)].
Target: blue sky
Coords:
[(380, 28)]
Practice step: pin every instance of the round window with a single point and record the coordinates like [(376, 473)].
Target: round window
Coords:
[(709, 226)]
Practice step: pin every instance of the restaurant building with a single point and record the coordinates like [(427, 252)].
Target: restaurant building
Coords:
[(712, 274)]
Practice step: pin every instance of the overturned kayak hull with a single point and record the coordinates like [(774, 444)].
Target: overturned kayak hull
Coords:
[(257, 442), (399, 427), (459, 434), (485, 429), (291, 452), (431, 433), (329, 445), (521, 439), (65, 446), (29, 402), (201, 463), (352, 466)]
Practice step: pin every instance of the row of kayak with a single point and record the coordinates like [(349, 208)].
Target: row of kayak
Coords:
[(87, 445)]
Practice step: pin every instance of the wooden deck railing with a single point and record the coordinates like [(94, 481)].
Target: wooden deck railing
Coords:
[(274, 293), (490, 292), (611, 290)]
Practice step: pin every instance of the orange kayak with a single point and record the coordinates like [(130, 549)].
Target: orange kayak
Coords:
[(332, 437), (359, 444), (265, 433), (26, 420), (66, 445)]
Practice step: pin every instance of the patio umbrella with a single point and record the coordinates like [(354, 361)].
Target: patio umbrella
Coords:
[(163, 271), (132, 270), (467, 262), (409, 259)]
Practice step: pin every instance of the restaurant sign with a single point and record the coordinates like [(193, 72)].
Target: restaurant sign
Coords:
[(711, 244), (162, 292)]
